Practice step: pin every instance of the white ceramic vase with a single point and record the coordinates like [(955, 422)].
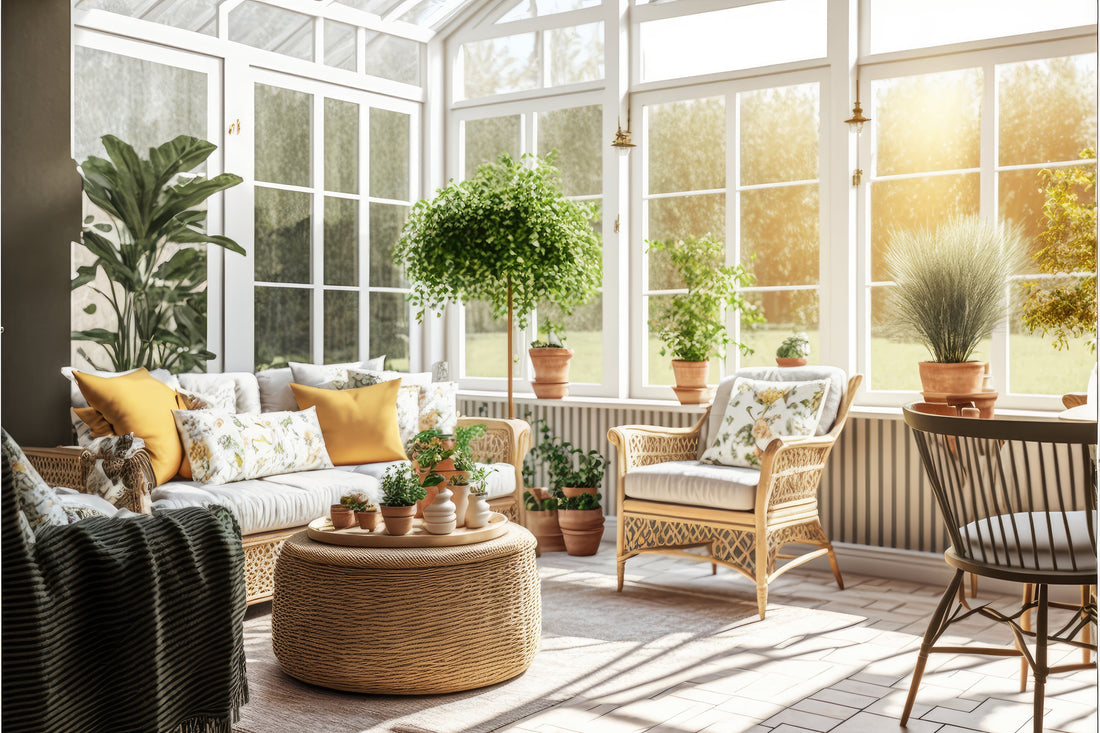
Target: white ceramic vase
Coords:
[(439, 516), (478, 511), (461, 500)]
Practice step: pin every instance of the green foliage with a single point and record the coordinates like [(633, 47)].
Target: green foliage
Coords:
[(357, 501), (507, 235), (794, 347), (950, 283), (401, 486), (1065, 306), (582, 502), (533, 504), (157, 289), (566, 465), (692, 325), (429, 447)]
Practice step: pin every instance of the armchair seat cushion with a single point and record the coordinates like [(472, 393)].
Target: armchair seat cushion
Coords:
[(695, 484), (273, 502)]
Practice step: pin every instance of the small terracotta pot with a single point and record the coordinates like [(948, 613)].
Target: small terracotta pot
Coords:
[(544, 525), (691, 381), (342, 516), (398, 519), (368, 520), (939, 380), (575, 491), (581, 529), (790, 361), (551, 366)]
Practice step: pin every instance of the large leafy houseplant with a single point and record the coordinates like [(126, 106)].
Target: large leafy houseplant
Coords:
[(508, 237), (157, 280)]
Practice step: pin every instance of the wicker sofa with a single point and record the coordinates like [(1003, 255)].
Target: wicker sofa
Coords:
[(271, 509)]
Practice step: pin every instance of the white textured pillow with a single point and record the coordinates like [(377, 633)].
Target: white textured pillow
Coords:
[(330, 376), (223, 446), (366, 377), (760, 410), (439, 406)]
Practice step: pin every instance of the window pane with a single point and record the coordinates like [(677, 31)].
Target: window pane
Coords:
[(385, 229), (282, 326), (897, 25), (789, 114), (486, 346), (1046, 109), (677, 218), (341, 241), (190, 15), (341, 146), (1036, 367), (1021, 200), (787, 312), (914, 203), (389, 154), (686, 145), (781, 235), (534, 8), (576, 53), (575, 133), (341, 326), (925, 123), (660, 367), (486, 139), (499, 65), (735, 38), (283, 226), (272, 29), (583, 334), (393, 58), (283, 134), (389, 329), (340, 45)]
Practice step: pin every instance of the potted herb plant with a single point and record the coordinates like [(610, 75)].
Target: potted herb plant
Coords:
[(581, 520), (508, 237), (478, 512), (692, 324), (950, 291), (542, 519), (366, 511), (793, 351), (157, 288), (550, 362), (401, 490), (342, 516)]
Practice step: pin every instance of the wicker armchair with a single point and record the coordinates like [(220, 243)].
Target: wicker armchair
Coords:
[(784, 509)]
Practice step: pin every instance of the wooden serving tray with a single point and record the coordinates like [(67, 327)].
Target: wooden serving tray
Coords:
[(321, 530)]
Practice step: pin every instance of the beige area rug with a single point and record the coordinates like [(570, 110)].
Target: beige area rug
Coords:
[(596, 643)]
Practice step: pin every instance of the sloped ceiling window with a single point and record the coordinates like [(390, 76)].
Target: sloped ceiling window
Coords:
[(272, 29)]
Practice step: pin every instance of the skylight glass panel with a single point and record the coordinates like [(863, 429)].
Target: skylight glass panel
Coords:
[(736, 38), (378, 7), (432, 12), (272, 29), (340, 45), (500, 65), (898, 25), (535, 8), (200, 16), (393, 58)]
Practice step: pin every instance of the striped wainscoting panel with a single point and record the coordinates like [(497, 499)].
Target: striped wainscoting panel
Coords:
[(874, 491)]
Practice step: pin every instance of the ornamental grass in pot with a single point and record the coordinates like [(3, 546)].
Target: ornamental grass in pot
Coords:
[(692, 324), (401, 490), (950, 292)]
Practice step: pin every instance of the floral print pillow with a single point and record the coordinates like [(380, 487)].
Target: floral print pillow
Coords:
[(408, 412), (223, 446), (761, 410), (37, 501), (439, 406)]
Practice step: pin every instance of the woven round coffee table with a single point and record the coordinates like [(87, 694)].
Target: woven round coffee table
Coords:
[(407, 620)]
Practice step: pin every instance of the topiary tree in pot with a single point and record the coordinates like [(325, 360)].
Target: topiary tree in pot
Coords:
[(508, 237)]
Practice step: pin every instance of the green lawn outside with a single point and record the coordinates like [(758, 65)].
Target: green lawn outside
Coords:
[(1048, 371)]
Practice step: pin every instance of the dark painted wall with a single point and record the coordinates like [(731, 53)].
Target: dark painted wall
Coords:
[(39, 216)]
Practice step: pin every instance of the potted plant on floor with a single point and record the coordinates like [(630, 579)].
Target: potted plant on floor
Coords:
[(542, 519), (550, 362), (692, 324), (581, 521), (950, 292), (508, 237), (793, 351), (570, 471), (401, 490)]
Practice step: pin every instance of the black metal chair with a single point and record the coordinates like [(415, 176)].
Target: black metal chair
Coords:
[(1018, 497)]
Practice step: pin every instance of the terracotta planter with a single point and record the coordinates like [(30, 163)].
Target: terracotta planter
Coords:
[(398, 519), (544, 525), (940, 380), (581, 529), (575, 491), (368, 520), (691, 381), (551, 365), (342, 516), (790, 361)]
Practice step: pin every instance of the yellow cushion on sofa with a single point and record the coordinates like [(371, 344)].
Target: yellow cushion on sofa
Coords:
[(359, 425), (95, 421), (139, 404)]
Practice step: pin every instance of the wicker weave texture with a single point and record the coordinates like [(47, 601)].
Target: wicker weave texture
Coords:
[(59, 466), (259, 576), (407, 621)]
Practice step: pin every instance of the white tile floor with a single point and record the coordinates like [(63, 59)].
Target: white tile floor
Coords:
[(818, 684)]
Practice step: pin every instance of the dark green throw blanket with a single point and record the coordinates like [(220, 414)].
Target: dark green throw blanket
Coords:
[(123, 624)]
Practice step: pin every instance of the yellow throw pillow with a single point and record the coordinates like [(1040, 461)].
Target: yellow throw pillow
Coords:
[(139, 404), (95, 421), (359, 425)]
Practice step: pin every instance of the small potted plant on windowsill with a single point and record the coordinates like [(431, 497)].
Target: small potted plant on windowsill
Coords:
[(550, 362), (793, 351), (692, 324), (401, 490)]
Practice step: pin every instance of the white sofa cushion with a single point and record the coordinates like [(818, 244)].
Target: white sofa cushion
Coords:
[(275, 394), (500, 482), (246, 390), (695, 484), (275, 502)]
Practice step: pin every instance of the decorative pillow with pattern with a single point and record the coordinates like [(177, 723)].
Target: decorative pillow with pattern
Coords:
[(105, 462), (36, 499), (330, 376), (224, 446), (218, 394), (439, 406), (408, 412), (366, 377), (759, 411)]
